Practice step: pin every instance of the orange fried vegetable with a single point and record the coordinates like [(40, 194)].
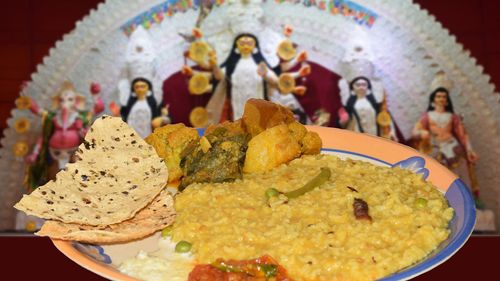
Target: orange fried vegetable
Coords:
[(260, 115), (271, 148), (169, 142)]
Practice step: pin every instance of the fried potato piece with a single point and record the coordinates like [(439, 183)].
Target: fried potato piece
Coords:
[(272, 147), (169, 142), (276, 136), (297, 130), (311, 143), (260, 115)]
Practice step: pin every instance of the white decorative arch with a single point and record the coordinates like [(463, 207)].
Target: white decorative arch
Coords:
[(408, 46)]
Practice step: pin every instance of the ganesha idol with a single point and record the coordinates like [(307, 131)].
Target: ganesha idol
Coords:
[(63, 129)]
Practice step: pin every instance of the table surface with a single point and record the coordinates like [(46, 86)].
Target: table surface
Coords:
[(28, 257)]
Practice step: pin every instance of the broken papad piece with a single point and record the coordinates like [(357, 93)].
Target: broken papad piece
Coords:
[(156, 216), (117, 175)]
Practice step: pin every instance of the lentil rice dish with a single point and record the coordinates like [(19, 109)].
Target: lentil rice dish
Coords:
[(317, 236)]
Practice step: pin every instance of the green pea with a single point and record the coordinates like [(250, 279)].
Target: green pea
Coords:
[(420, 202), (270, 270), (272, 192), (167, 231), (183, 247)]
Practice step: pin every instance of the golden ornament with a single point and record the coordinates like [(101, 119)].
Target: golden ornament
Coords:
[(286, 83), (22, 125), (384, 119), (286, 50), (199, 84), (30, 226), (20, 149), (199, 52), (425, 146), (199, 117), (23, 103)]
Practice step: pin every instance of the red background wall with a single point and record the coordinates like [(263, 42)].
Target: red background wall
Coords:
[(29, 28)]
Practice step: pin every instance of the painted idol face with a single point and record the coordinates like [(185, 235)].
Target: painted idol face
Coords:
[(441, 99), (246, 45), (141, 88), (360, 87), (67, 99)]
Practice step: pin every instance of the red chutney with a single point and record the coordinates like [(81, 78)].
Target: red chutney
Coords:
[(260, 269)]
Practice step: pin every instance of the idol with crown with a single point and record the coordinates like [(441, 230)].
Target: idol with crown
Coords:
[(440, 133), (248, 60), (63, 127), (364, 98), (139, 100), (246, 74)]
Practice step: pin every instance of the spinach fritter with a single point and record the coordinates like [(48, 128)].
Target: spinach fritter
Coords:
[(222, 161)]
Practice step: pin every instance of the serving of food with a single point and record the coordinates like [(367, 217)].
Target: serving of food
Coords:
[(261, 198)]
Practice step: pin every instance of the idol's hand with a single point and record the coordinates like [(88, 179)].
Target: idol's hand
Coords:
[(186, 70), (343, 116), (262, 69), (115, 109), (197, 33), (288, 30), (157, 122), (472, 156), (212, 59), (300, 90), (305, 70), (302, 56)]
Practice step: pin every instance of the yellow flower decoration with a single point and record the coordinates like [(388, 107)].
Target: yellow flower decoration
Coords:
[(199, 84), (199, 117), (30, 226), (23, 103), (384, 119), (199, 51), (20, 149), (286, 83), (22, 125), (286, 50)]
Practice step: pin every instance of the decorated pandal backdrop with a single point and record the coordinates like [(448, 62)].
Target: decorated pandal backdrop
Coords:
[(386, 68)]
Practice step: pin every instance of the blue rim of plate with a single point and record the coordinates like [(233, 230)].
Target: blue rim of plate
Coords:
[(459, 195), (357, 154)]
